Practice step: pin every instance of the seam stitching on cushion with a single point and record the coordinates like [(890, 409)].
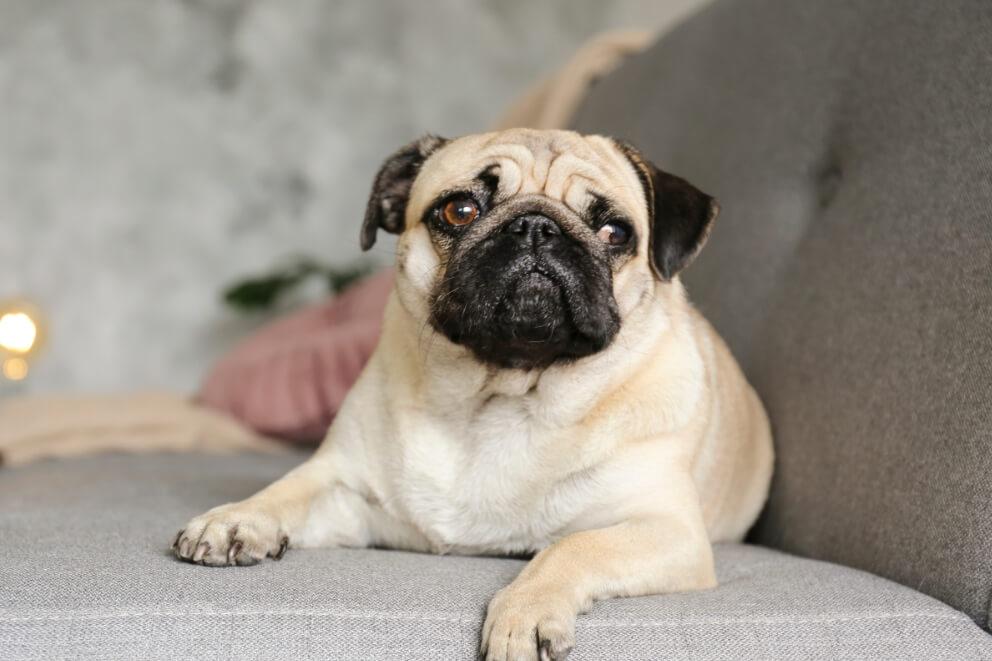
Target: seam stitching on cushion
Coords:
[(466, 620), (183, 614), (780, 620), (988, 612)]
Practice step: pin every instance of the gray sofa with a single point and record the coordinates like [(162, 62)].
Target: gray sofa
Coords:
[(851, 146)]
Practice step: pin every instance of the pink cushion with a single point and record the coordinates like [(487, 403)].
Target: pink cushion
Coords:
[(289, 378)]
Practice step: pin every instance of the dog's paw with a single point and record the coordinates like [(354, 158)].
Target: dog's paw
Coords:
[(235, 534), (528, 625)]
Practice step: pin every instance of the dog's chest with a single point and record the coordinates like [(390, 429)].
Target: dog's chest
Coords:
[(492, 479)]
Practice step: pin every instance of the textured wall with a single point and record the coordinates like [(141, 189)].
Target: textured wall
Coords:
[(152, 151)]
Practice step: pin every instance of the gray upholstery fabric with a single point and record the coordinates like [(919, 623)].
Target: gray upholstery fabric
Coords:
[(86, 574), (850, 145)]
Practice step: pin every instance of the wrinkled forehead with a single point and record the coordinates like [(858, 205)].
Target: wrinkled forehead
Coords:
[(561, 165)]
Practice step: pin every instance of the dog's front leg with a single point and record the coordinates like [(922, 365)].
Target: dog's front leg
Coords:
[(306, 507), (534, 617)]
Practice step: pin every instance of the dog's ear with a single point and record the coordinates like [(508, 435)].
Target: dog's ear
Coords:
[(680, 215), (391, 188)]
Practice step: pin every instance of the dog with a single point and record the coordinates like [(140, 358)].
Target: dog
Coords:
[(542, 386)]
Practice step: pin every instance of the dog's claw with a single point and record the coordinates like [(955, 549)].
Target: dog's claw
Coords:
[(546, 651), (283, 545), (202, 549), (232, 553)]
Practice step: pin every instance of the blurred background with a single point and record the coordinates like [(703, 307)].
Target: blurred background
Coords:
[(153, 152)]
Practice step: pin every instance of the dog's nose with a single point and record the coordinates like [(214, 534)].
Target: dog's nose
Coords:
[(533, 228)]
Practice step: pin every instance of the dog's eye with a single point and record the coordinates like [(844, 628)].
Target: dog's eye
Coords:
[(615, 234), (459, 211)]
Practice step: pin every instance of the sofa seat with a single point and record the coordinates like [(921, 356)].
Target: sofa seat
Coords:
[(86, 573)]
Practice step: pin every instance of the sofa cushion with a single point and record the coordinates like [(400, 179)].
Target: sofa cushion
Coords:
[(87, 574), (289, 378), (851, 269)]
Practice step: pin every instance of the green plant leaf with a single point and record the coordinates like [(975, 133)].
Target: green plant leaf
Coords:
[(262, 292)]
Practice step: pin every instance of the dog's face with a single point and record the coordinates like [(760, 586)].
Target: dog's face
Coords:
[(532, 247)]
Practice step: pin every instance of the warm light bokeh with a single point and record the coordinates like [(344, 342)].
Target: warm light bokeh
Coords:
[(15, 369), (18, 332)]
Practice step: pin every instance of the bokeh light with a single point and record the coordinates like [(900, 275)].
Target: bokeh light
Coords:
[(15, 369), (21, 335), (18, 332)]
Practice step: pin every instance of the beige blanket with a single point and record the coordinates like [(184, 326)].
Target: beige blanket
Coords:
[(552, 102), (38, 427)]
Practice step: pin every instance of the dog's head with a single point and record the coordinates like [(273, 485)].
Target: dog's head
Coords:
[(530, 247)]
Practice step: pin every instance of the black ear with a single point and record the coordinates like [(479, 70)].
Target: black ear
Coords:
[(391, 188), (680, 215)]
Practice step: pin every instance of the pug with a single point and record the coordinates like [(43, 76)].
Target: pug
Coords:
[(542, 386)]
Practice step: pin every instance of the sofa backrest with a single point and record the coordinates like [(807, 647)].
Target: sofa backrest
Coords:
[(850, 146)]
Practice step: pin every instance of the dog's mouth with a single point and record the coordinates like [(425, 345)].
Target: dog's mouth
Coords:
[(534, 309), (538, 281), (527, 315)]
